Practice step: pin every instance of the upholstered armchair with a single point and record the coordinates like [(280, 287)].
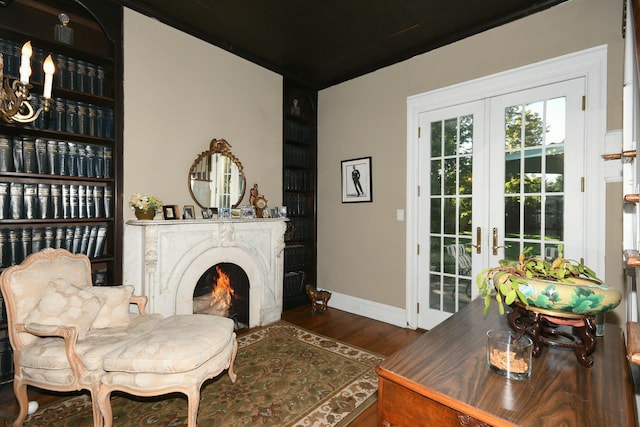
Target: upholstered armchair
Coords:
[(56, 321), (68, 335)]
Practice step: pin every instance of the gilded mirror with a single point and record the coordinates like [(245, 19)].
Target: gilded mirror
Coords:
[(216, 177)]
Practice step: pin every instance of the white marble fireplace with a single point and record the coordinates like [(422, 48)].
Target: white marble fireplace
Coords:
[(165, 259)]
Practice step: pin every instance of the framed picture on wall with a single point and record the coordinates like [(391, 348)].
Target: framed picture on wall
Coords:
[(356, 180)]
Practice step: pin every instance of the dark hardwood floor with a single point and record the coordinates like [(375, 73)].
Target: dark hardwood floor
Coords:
[(378, 337)]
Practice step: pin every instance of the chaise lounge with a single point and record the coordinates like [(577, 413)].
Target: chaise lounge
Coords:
[(68, 335)]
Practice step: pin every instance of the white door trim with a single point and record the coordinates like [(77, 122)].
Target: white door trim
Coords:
[(590, 64)]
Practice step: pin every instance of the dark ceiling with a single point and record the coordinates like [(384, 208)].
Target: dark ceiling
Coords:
[(324, 42)]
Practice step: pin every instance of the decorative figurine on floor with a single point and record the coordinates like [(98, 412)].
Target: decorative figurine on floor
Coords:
[(315, 295)]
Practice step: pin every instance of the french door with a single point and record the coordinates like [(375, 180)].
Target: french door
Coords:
[(496, 176)]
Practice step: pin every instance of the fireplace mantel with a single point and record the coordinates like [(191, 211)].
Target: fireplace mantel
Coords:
[(165, 259)]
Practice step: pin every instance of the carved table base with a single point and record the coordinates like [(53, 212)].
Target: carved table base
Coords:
[(544, 330)]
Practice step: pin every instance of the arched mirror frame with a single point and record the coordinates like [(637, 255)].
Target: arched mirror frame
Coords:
[(217, 146)]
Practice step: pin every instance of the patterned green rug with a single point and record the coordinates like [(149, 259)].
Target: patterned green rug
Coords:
[(287, 376)]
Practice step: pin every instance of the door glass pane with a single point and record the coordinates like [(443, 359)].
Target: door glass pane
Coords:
[(451, 204), (534, 172), (450, 176), (436, 139), (450, 137), (554, 212), (436, 177), (436, 206), (533, 124)]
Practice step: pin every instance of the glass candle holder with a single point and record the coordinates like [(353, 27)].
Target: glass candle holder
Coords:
[(509, 355)]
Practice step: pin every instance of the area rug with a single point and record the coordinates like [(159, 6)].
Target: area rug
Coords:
[(287, 376)]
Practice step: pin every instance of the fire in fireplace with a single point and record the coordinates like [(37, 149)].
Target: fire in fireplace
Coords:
[(223, 290)]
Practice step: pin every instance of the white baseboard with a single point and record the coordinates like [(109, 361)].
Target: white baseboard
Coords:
[(373, 310)]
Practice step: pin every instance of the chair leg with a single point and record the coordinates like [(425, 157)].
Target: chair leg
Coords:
[(20, 391), (104, 403), (193, 399), (98, 420), (231, 372)]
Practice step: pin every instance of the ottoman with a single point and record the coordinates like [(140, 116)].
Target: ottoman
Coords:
[(179, 355)]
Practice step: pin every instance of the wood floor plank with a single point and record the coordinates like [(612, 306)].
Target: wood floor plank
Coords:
[(378, 337)]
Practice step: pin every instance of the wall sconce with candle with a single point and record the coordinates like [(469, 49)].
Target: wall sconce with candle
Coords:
[(14, 96)]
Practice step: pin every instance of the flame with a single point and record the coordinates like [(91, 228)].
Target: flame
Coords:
[(222, 290)]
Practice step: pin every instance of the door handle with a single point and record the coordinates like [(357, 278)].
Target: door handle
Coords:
[(495, 241), (478, 240)]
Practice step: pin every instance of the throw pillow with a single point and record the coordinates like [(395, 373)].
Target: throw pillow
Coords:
[(115, 311), (63, 304)]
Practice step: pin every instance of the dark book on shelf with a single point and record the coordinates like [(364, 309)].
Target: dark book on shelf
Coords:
[(25, 242), (108, 201), (14, 249), (4, 258), (4, 201), (56, 201), (108, 162), (99, 162), (72, 158), (49, 237), (63, 158), (78, 231), (98, 200), (81, 159), (82, 201), (30, 199), (52, 157), (17, 155), (90, 157), (91, 246), (84, 241), (6, 154), (37, 240), (44, 197), (90, 200), (66, 201), (15, 200), (6, 358), (74, 201), (58, 240), (100, 277), (41, 156), (30, 164), (100, 240), (68, 238)]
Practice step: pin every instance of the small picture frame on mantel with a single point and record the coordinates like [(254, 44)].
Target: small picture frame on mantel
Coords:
[(171, 212), (189, 212)]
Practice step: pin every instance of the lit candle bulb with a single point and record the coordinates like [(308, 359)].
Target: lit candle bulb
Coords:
[(49, 69), (25, 63)]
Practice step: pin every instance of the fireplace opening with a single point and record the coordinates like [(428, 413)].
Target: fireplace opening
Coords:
[(223, 290)]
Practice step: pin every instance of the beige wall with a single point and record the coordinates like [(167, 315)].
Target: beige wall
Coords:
[(179, 93), (361, 247)]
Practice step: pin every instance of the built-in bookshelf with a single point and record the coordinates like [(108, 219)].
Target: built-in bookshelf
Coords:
[(61, 175), (299, 192)]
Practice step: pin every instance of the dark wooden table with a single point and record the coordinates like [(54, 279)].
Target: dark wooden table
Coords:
[(442, 379)]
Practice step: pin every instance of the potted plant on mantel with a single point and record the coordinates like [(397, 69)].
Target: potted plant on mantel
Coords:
[(559, 286), (145, 206)]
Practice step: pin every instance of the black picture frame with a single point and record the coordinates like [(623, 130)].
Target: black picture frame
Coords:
[(171, 212), (357, 182), (188, 212)]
